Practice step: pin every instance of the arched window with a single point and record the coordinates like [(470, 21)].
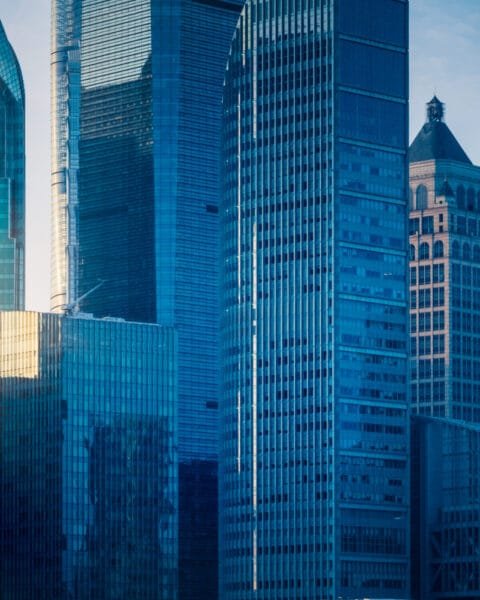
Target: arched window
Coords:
[(411, 203), (456, 250), (476, 254), (438, 249), (470, 199), (424, 251), (466, 252), (422, 197), (412, 252), (461, 196)]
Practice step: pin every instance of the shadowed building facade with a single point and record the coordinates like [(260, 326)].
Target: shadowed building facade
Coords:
[(12, 179), (137, 101), (88, 454), (314, 473)]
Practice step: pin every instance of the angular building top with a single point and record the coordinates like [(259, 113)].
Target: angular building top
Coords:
[(12, 178), (435, 141)]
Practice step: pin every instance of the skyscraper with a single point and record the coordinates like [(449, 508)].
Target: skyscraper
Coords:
[(314, 477), (444, 273), (137, 99), (445, 365), (12, 179), (88, 456)]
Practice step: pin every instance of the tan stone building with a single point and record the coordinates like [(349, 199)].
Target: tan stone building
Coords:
[(444, 273)]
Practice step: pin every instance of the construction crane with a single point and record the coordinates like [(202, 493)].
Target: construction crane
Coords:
[(73, 308)]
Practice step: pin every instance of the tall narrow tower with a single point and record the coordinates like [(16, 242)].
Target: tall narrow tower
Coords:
[(12, 179), (137, 101), (314, 479)]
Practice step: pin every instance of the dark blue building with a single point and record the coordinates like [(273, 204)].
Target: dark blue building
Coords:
[(88, 457), (314, 471), (138, 89), (445, 509), (12, 179)]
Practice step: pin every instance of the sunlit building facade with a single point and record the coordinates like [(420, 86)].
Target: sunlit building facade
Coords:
[(12, 179), (314, 470), (137, 113), (88, 455)]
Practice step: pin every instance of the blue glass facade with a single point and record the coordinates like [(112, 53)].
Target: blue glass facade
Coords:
[(314, 471), (88, 475), (144, 216), (12, 179), (445, 509)]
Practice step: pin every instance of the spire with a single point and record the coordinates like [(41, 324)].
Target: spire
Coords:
[(435, 110)]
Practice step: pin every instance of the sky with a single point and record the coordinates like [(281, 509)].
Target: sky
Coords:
[(444, 51)]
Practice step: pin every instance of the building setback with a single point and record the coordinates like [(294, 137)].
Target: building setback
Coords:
[(88, 454), (137, 111), (12, 179), (314, 469)]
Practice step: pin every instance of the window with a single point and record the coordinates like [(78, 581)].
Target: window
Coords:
[(413, 299), (413, 226), (424, 345), (438, 249), (472, 227), (427, 224), (413, 323), (412, 252), (476, 254), (424, 299), (438, 273), (438, 344), (413, 275), (424, 275), (466, 252), (438, 296), (424, 369), (422, 197), (424, 251), (438, 320), (439, 367), (424, 322)]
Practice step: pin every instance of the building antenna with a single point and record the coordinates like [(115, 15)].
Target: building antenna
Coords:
[(73, 308)]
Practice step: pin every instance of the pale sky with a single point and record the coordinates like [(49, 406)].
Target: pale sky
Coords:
[(444, 54)]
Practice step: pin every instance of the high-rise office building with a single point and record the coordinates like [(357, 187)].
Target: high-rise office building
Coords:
[(445, 365), (12, 179), (314, 473), (444, 273), (137, 89), (88, 456)]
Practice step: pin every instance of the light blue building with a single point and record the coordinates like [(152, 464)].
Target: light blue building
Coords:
[(314, 471), (88, 455), (137, 97), (12, 179)]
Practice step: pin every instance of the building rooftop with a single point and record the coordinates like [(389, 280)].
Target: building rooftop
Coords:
[(435, 141)]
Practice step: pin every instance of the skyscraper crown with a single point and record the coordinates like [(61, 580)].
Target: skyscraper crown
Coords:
[(435, 141)]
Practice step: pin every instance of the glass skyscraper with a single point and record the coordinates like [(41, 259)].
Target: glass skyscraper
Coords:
[(314, 471), (12, 179), (88, 455), (137, 100)]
